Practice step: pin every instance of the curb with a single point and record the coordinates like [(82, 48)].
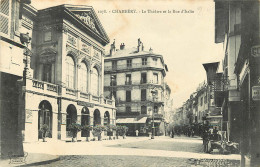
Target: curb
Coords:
[(42, 162)]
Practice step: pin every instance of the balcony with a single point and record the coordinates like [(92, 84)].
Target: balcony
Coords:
[(113, 83), (128, 82), (41, 87), (122, 114), (70, 91), (53, 90), (133, 66)]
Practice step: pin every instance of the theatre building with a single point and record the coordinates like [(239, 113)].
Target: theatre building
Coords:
[(61, 65), (131, 75)]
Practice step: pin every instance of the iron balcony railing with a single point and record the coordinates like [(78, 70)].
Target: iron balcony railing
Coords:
[(133, 66)]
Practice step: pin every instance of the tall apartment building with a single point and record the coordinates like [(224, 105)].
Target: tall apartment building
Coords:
[(130, 76), (57, 78)]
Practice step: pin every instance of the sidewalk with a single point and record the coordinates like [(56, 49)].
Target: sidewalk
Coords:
[(30, 159)]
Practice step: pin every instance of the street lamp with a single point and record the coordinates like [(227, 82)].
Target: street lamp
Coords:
[(154, 93), (25, 40), (112, 88)]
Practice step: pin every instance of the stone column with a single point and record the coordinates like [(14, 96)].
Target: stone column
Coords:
[(63, 126), (91, 122), (79, 122)]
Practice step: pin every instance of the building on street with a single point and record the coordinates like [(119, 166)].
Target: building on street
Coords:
[(130, 76), (237, 27)]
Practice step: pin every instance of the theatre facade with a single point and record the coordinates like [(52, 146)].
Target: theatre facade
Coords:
[(63, 71)]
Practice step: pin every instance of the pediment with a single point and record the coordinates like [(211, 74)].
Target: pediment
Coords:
[(88, 16), (47, 51)]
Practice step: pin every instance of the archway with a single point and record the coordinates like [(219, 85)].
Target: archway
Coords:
[(71, 117), (45, 117), (85, 120), (97, 119), (106, 118)]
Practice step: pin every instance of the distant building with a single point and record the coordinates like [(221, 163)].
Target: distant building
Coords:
[(130, 76), (203, 106)]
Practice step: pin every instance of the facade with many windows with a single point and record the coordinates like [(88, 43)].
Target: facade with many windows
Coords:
[(130, 76), (54, 59)]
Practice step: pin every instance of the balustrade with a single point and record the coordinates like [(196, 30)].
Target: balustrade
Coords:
[(38, 84), (70, 91), (52, 87), (84, 95), (95, 98)]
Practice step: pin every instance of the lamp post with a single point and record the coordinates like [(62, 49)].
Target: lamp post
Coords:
[(25, 39), (112, 86), (154, 93)]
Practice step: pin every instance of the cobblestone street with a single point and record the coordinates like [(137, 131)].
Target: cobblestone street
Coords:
[(135, 152)]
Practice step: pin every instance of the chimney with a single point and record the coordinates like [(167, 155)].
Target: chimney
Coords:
[(113, 48), (122, 46), (150, 50), (140, 46)]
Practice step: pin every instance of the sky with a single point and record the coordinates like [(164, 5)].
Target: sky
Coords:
[(185, 40)]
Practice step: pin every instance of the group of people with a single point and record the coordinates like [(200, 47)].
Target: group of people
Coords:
[(209, 135)]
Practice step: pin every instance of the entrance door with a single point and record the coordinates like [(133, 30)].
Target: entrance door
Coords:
[(45, 118)]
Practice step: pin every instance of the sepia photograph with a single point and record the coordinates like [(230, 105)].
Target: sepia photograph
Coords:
[(130, 83)]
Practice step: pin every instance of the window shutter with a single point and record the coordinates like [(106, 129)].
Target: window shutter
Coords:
[(4, 16)]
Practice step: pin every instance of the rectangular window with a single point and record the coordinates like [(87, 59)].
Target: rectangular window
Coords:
[(143, 78), (114, 65), (143, 110), (128, 109), (144, 61), (155, 78), (113, 80), (47, 70), (128, 79), (128, 96), (143, 94), (201, 101), (129, 63), (205, 99)]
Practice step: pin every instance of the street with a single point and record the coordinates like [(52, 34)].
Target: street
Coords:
[(133, 152)]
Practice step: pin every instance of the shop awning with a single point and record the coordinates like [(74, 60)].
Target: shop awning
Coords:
[(131, 120), (156, 121), (215, 116)]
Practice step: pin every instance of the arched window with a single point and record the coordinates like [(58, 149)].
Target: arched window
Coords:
[(70, 69), (83, 76), (95, 82)]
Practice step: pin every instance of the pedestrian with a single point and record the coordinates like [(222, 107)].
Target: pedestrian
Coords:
[(205, 140), (172, 133), (136, 132), (215, 133)]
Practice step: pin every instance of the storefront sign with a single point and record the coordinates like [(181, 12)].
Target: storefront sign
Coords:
[(256, 92), (255, 51), (82, 103)]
